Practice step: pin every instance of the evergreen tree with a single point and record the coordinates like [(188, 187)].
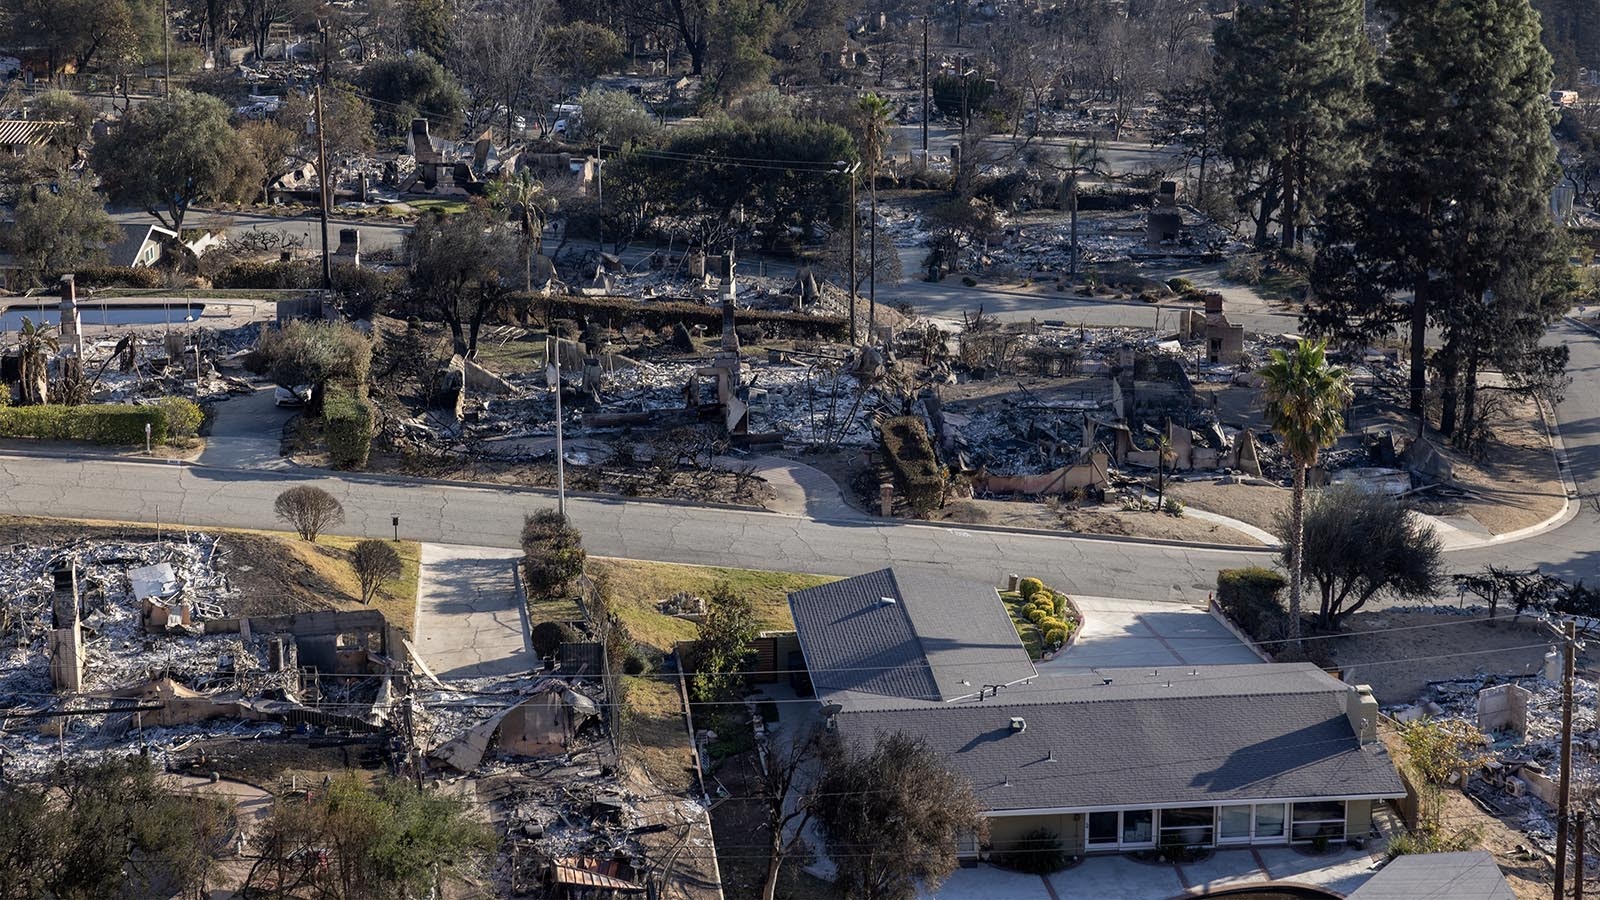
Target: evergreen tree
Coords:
[(1454, 206), (1290, 92)]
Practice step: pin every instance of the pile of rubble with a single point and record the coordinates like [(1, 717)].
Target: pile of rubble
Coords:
[(1519, 777)]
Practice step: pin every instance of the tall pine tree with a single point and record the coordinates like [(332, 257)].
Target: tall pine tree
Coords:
[(1290, 77), (1454, 206)]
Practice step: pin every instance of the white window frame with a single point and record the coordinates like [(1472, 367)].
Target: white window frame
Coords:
[(1282, 837), (1162, 828), (1344, 823), (1118, 843), (1250, 828)]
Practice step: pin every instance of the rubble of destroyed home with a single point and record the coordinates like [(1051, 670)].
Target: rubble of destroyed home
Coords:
[(116, 647), (1517, 773), (92, 352)]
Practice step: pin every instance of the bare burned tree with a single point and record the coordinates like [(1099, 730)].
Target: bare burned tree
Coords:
[(787, 815), (311, 510), (375, 562)]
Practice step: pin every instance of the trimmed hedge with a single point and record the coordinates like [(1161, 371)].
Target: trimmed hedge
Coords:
[(116, 276), (347, 427), (667, 313), (1250, 598), (910, 455), (110, 423)]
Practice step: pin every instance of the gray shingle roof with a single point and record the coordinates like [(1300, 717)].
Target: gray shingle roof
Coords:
[(1228, 733), (1471, 875), (940, 640)]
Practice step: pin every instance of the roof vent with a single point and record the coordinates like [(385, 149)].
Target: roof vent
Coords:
[(887, 600), (1019, 724)]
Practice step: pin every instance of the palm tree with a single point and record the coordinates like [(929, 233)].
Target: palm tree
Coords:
[(1078, 160), (876, 119), (525, 197), (35, 345), (1305, 397)]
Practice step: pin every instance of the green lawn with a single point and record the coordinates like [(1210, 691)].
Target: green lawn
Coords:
[(448, 207), (637, 586)]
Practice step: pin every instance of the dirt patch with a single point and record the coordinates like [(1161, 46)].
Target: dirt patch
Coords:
[(1399, 651), (1095, 520), (1256, 504), (707, 486), (739, 823), (656, 735)]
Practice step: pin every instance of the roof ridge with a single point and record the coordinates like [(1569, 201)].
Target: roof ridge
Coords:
[(911, 622), (1014, 700)]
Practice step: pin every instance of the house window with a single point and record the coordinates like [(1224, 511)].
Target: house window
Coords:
[(1318, 820), (1103, 829), (1233, 824), (1269, 820), (1190, 826), (1138, 826)]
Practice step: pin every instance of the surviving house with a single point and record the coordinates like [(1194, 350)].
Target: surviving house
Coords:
[(140, 247), (1111, 760)]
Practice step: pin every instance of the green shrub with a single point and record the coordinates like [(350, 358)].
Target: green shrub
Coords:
[(1250, 598), (969, 281), (1059, 601), (347, 427), (116, 276), (109, 423), (1181, 285), (1055, 637), (549, 636), (183, 416), (910, 455), (665, 314), (5, 395), (1036, 615), (1027, 587), (1038, 852), (1173, 507)]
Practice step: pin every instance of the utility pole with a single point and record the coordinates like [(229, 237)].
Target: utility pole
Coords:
[(166, 48), (924, 93), (1577, 860), (853, 281), (600, 195), (872, 235), (553, 377), (322, 192), (1563, 801)]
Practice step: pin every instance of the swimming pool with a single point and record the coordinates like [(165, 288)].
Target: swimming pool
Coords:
[(93, 315)]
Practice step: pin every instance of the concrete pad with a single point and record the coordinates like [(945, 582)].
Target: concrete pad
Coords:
[(1342, 872), (985, 882), (1223, 868), (1123, 632), (1116, 878), (472, 621), (246, 432)]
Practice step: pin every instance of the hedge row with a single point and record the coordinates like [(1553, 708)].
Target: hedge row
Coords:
[(111, 423), (116, 276), (667, 313), (1250, 598), (347, 427), (910, 455)]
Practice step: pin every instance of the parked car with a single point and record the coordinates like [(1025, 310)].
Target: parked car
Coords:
[(299, 395)]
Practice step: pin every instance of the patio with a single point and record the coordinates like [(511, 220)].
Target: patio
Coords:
[(1124, 878)]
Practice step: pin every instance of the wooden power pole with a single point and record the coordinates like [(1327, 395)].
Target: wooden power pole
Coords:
[(323, 190), (1563, 801), (853, 281), (1577, 855), (924, 93)]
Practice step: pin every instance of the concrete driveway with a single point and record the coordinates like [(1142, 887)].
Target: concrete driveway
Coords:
[(1119, 632), (472, 620), (246, 432)]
